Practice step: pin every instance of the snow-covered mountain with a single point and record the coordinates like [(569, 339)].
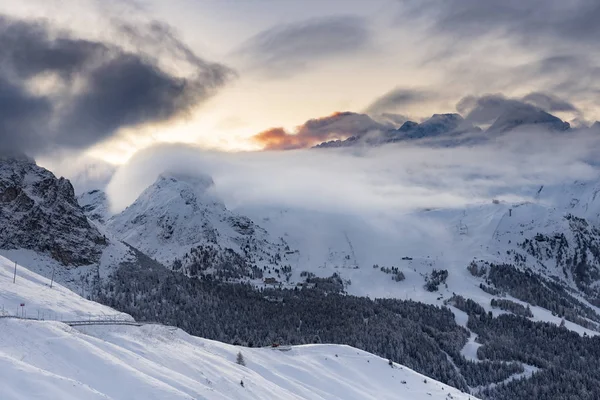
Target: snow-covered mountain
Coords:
[(180, 222), (454, 130), (48, 359), (536, 259), (40, 212), (43, 227), (438, 124), (95, 205), (527, 116), (445, 125)]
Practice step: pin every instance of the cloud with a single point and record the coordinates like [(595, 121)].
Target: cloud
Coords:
[(530, 22), (285, 50), (369, 182), (545, 46), (550, 103), (60, 91), (397, 98), (532, 108), (479, 110), (85, 173), (390, 118), (337, 126), (485, 109)]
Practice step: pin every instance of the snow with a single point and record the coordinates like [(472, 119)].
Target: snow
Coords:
[(50, 360), (177, 213), (42, 301), (350, 246)]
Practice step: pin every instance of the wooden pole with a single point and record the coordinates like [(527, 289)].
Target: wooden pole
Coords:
[(52, 281), (15, 276)]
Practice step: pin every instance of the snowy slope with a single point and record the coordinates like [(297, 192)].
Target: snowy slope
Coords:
[(50, 360), (42, 301), (445, 239)]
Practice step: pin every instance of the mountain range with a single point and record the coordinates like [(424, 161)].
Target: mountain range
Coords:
[(448, 129), (448, 292)]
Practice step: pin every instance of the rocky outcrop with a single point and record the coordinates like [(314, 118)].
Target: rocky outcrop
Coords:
[(40, 212)]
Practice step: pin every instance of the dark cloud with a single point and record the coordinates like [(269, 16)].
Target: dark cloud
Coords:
[(287, 49), (397, 98), (92, 89), (532, 22), (21, 115), (337, 126)]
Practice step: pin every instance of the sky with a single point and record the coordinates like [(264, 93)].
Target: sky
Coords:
[(111, 93), (109, 78)]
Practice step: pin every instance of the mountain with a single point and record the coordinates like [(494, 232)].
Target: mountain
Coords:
[(449, 126), (181, 223), (48, 359), (438, 124), (40, 212), (94, 204), (448, 292), (527, 116), (43, 227), (454, 130)]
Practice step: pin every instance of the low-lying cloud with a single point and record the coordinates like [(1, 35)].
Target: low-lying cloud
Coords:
[(61, 91), (389, 180)]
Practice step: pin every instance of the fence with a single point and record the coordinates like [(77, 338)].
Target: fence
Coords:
[(87, 322)]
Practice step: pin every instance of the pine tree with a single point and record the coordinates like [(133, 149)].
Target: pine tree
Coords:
[(240, 359)]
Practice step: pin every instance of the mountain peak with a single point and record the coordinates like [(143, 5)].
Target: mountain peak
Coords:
[(438, 124), (95, 205), (198, 180), (526, 115)]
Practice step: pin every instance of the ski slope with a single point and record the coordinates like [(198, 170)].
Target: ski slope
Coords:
[(50, 360)]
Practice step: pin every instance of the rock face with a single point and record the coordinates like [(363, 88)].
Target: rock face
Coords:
[(40, 212)]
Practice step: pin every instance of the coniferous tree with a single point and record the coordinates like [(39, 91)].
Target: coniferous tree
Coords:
[(240, 359)]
